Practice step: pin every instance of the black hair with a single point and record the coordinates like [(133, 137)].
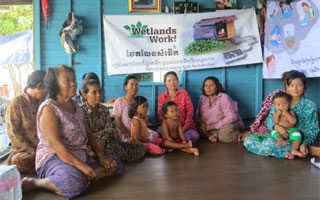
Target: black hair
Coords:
[(91, 75), (84, 86), (84, 76), (282, 94), (137, 101), (165, 106), (51, 79), (216, 82), (34, 79), (128, 78), (294, 74), (170, 73)]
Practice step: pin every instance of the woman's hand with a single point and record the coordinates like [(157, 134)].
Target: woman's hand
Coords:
[(210, 128), (283, 132), (107, 162), (304, 149), (88, 172)]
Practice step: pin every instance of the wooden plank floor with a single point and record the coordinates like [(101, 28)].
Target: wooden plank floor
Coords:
[(222, 171)]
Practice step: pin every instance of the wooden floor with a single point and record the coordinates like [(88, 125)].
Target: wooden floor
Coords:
[(222, 171)]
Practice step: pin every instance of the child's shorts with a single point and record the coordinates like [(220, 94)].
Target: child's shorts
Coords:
[(294, 135)]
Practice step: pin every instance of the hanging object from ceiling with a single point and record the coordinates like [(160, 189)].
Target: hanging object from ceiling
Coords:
[(45, 10), (70, 29)]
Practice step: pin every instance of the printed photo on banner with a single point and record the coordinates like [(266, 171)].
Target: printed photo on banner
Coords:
[(142, 43), (291, 37)]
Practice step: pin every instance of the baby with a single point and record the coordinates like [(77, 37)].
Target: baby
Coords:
[(287, 119)]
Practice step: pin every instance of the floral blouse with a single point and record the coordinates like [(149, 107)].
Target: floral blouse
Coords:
[(99, 122), (185, 107), (21, 123), (306, 113)]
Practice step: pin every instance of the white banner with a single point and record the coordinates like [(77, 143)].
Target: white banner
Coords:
[(292, 38), (149, 43)]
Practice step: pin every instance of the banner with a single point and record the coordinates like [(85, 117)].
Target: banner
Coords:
[(291, 38), (149, 43), (16, 49)]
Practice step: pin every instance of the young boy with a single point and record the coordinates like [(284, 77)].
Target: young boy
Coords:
[(287, 119), (172, 133)]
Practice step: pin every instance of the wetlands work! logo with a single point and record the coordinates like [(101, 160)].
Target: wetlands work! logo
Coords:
[(153, 35)]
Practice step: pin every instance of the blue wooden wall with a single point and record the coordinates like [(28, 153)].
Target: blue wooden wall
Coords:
[(243, 83)]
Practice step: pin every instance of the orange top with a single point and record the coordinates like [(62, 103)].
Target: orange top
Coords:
[(144, 130)]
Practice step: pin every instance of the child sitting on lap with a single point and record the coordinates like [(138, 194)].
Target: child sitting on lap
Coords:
[(139, 130), (287, 119), (172, 133)]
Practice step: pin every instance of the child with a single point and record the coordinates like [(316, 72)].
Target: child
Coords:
[(172, 133), (139, 130), (287, 119)]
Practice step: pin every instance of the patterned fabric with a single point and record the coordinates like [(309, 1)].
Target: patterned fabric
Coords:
[(68, 179), (222, 111), (21, 123), (72, 133), (120, 109), (24, 161), (306, 113), (79, 98), (259, 126), (100, 123), (185, 107)]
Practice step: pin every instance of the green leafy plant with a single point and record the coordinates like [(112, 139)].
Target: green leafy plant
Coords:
[(203, 46), (138, 27)]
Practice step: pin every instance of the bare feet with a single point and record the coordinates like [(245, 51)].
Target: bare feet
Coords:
[(213, 138), (242, 136), (297, 153), (195, 151), (281, 143), (289, 156), (28, 184), (189, 143)]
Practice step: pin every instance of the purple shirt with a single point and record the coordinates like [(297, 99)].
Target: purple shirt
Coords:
[(222, 111)]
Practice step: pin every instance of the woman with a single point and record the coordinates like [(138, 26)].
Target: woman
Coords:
[(306, 112), (21, 123), (99, 120), (121, 107), (217, 115), (185, 106), (79, 97), (68, 157)]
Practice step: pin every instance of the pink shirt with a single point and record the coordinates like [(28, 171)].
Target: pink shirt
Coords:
[(185, 107), (120, 109), (222, 111), (72, 133)]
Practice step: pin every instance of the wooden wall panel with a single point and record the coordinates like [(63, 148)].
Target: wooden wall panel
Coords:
[(243, 83)]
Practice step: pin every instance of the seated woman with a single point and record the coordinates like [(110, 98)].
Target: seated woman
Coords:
[(217, 115), (121, 107), (68, 157), (99, 120), (306, 113), (79, 97), (185, 106), (21, 123)]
